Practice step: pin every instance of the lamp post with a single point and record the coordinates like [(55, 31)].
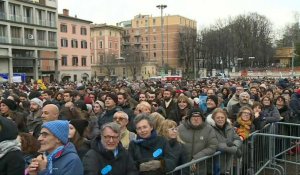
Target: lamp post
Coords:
[(251, 58), (162, 7), (240, 62)]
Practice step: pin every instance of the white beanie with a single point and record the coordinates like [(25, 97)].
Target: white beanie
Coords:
[(37, 101)]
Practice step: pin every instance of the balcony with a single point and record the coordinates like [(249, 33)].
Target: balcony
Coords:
[(42, 22), (2, 15), (42, 42), (52, 43), (18, 41), (51, 24), (28, 20), (3, 39), (29, 42), (137, 42), (16, 18)]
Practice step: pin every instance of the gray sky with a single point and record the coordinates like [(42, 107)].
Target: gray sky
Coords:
[(205, 12)]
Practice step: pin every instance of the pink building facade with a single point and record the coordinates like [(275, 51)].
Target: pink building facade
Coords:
[(74, 48)]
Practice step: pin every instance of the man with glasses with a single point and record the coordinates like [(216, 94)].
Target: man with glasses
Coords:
[(121, 118), (107, 155), (60, 155)]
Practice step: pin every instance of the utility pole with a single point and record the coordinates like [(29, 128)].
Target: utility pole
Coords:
[(162, 7)]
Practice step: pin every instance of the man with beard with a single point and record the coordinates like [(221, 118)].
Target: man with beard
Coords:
[(34, 118), (244, 100), (123, 103), (168, 103), (111, 101)]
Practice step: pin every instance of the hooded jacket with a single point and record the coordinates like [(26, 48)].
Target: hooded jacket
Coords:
[(97, 158), (11, 162), (107, 116), (199, 140), (66, 163)]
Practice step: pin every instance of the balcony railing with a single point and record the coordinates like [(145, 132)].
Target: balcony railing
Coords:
[(17, 40), (3, 39), (42, 42), (17, 18), (28, 20), (2, 15), (29, 42), (52, 43)]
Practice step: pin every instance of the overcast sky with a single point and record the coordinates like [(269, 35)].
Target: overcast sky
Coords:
[(205, 12)]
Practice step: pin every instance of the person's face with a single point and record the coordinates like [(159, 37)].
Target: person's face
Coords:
[(182, 104), (210, 92), (3, 108), (279, 102), (48, 114), (34, 107), (167, 95), (194, 94), (97, 108), (253, 91), (210, 104), (92, 97), (266, 102), (46, 96), (143, 129), (22, 99), (196, 120), (142, 97), (257, 109), (154, 105), (239, 90), (121, 120), (172, 132), (67, 97), (151, 97), (121, 100), (269, 94), (244, 99), (110, 139), (58, 97), (246, 115), (48, 141), (220, 119), (72, 131), (198, 88), (109, 102), (225, 92), (287, 98)]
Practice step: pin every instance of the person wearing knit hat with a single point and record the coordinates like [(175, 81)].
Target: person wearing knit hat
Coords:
[(114, 97), (79, 125), (61, 156), (37, 101), (9, 103)]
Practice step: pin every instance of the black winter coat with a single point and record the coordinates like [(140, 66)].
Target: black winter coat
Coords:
[(12, 163), (98, 158), (107, 116)]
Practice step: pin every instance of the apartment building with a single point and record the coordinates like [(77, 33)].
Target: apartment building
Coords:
[(159, 43), (28, 36), (106, 51), (74, 48)]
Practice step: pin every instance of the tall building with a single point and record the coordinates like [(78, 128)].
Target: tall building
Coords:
[(28, 37), (144, 33), (74, 48), (106, 51)]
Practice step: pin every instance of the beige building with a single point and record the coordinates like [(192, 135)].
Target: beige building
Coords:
[(144, 32), (107, 62), (28, 36), (283, 56), (74, 48)]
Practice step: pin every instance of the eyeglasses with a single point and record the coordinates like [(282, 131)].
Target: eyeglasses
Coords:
[(173, 129), (44, 134), (119, 118), (108, 138), (246, 113), (154, 105)]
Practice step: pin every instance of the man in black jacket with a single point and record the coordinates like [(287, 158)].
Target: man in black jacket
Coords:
[(107, 155)]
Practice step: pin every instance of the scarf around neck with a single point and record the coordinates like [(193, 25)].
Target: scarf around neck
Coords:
[(8, 146), (140, 140), (53, 156)]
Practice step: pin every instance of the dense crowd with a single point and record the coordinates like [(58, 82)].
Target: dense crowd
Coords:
[(144, 127)]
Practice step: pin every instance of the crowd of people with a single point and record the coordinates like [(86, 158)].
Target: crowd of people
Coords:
[(144, 127)]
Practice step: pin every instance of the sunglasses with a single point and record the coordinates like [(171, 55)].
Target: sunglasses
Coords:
[(154, 105)]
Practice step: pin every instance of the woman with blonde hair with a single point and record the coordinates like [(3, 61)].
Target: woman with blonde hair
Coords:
[(181, 110), (157, 119)]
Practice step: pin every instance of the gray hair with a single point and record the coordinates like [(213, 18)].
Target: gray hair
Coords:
[(113, 126), (123, 114), (244, 94), (143, 116)]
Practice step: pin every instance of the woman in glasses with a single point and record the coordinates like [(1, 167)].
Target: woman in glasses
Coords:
[(244, 123), (169, 130)]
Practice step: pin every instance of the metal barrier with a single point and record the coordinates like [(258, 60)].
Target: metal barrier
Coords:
[(271, 150)]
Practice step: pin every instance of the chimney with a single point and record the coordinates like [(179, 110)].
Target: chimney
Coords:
[(65, 12)]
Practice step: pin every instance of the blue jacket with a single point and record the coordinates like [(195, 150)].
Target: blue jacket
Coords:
[(68, 163)]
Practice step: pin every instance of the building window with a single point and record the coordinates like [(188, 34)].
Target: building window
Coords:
[(154, 30), (64, 42), (124, 71), (116, 45), (113, 71), (74, 29), (64, 61), (154, 46), (154, 38), (146, 30), (63, 28), (101, 44), (74, 61), (109, 33), (154, 54), (83, 61), (100, 32), (147, 39), (75, 77), (83, 44), (110, 44), (154, 21), (101, 59), (74, 43), (146, 46), (83, 31)]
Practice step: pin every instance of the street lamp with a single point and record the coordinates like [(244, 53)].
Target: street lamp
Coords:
[(240, 62), (162, 7), (251, 58)]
